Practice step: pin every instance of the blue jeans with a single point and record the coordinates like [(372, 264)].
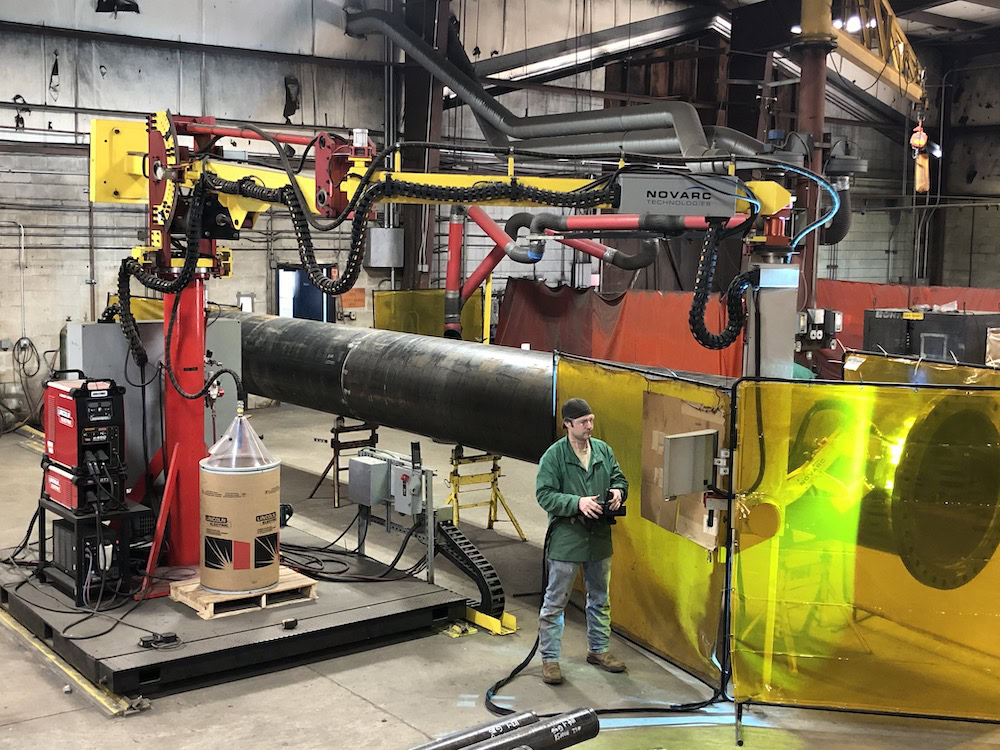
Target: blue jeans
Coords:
[(551, 619)]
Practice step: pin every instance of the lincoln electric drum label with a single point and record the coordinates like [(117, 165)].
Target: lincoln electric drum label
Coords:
[(239, 526), (265, 550), (226, 554)]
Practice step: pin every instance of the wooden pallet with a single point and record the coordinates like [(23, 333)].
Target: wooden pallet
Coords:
[(292, 588)]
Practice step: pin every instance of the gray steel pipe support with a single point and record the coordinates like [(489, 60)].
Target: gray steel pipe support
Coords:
[(681, 116), (489, 397)]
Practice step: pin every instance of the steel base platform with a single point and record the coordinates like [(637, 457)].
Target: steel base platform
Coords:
[(344, 617)]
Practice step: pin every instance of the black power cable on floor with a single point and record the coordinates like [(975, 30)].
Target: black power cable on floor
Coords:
[(492, 707), (312, 561)]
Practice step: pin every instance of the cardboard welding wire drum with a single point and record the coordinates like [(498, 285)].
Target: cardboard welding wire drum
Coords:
[(239, 527)]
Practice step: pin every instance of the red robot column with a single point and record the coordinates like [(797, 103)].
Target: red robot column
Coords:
[(185, 421)]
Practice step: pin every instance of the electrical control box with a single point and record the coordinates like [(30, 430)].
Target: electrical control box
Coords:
[(385, 247), (407, 489), (87, 557), (689, 462), (818, 329), (380, 476), (368, 480), (84, 416)]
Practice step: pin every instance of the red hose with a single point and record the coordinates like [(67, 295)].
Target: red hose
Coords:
[(193, 128), (456, 238), (603, 221), (496, 233), (590, 247), (485, 268), (492, 229)]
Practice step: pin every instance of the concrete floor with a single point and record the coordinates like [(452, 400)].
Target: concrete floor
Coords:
[(399, 695)]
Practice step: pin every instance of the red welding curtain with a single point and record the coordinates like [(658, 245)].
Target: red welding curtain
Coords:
[(638, 327), (651, 328)]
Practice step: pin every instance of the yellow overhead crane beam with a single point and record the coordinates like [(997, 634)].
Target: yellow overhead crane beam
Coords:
[(879, 45)]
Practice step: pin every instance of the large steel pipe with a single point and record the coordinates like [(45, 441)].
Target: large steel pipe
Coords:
[(488, 397)]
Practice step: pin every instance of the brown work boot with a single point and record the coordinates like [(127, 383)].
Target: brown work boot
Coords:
[(551, 674), (606, 661)]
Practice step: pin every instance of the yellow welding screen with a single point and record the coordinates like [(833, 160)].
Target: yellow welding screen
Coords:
[(866, 570), (866, 367), (666, 588), (422, 311)]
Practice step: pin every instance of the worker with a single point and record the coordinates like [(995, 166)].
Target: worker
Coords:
[(577, 477)]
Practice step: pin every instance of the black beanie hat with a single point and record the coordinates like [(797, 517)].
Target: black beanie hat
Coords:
[(575, 408)]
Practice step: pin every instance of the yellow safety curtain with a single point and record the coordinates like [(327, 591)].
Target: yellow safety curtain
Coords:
[(666, 590), (422, 311), (866, 572)]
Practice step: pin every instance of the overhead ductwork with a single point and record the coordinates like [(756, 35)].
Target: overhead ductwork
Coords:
[(680, 117)]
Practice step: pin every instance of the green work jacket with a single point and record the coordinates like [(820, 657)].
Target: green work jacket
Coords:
[(560, 484)]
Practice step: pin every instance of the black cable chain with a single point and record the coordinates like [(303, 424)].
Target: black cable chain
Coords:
[(489, 191), (735, 305)]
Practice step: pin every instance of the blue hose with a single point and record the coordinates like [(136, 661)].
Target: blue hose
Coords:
[(835, 199)]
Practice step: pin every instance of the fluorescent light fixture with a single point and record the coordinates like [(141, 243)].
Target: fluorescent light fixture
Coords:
[(585, 55)]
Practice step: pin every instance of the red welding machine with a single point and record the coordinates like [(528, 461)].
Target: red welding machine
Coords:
[(81, 491), (84, 416), (84, 460)]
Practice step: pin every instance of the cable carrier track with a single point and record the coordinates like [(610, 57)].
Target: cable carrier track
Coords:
[(458, 549)]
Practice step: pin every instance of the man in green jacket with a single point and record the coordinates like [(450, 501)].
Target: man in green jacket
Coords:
[(574, 478)]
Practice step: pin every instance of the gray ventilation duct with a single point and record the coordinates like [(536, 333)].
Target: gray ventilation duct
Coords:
[(655, 142), (734, 142), (457, 55), (681, 117)]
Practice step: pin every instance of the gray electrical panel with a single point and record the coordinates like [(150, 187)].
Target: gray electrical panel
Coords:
[(100, 351), (385, 247), (367, 480), (406, 493)]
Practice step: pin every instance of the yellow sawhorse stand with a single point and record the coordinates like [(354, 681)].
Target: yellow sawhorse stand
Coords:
[(490, 478)]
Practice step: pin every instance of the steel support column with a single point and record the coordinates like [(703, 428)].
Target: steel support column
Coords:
[(422, 114), (816, 42)]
